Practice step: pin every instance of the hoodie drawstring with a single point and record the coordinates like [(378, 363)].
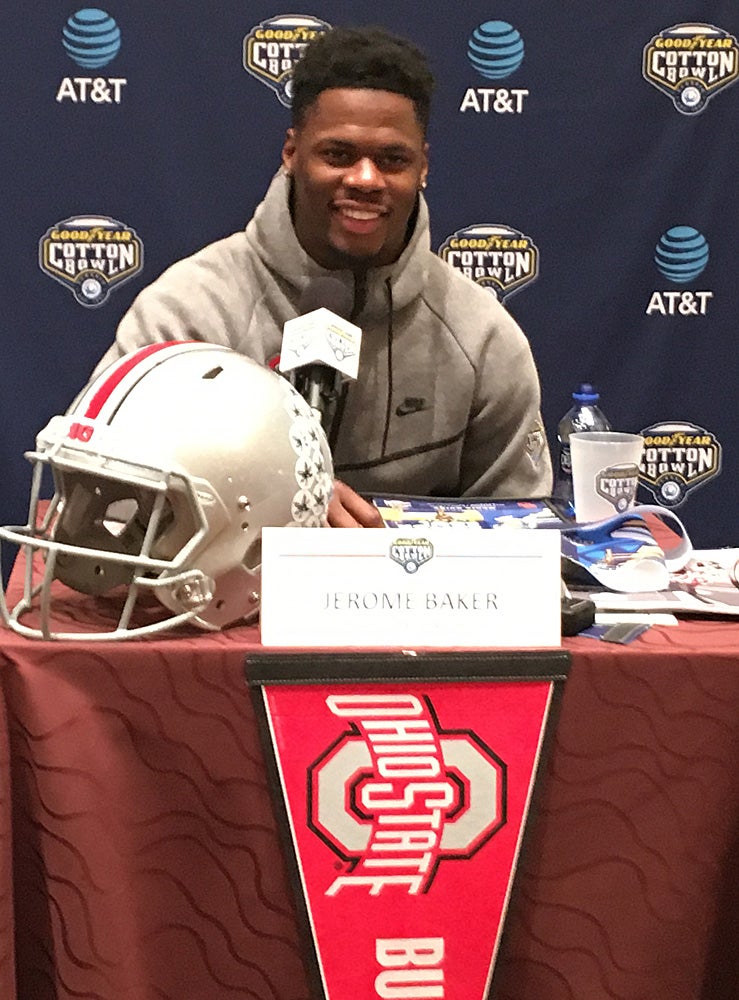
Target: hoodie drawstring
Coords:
[(389, 287)]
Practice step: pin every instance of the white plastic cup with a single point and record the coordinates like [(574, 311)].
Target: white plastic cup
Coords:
[(605, 473)]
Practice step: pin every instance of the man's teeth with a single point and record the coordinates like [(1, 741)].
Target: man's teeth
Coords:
[(355, 213)]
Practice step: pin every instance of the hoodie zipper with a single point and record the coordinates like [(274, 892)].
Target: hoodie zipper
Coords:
[(360, 296)]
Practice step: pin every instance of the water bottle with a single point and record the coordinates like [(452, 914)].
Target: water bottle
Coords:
[(584, 415)]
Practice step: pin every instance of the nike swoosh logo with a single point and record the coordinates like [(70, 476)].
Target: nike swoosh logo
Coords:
[(411, 404)]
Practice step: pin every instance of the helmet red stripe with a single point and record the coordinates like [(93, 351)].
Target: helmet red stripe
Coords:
[(127, 365)]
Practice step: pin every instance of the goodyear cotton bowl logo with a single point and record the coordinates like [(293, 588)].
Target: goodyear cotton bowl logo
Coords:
[(499, 258), (92, 39), (691, 63), (90, 255), (617, 484), (410, 553), (272, 48), (677, 458), (340, 343), (396, 795)]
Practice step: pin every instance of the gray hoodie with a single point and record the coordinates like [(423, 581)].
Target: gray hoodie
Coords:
[(447, 398)]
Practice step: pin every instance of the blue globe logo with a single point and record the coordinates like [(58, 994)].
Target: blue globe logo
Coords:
[(495, 49), (681, 254), (91, 38)]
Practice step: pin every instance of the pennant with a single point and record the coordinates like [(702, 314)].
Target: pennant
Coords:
[(404, 802)]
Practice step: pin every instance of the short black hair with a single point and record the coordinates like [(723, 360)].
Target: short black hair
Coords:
[(362, 58)]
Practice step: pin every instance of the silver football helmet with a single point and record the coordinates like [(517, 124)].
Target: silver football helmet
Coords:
[(166, 468)]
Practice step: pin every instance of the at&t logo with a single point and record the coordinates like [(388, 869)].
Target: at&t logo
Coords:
[(498, 258), (681, 256), (691, 63), (272, 48), (92, 39), (496, 50), (396, 795)]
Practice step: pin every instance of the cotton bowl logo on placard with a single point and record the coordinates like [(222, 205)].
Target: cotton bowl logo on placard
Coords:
[(91, 38), (272, 48), (495, 49), (681, 254), (691, 63), (498, 258), (410, 553), (396, 795), (90, 255), (677, 458)]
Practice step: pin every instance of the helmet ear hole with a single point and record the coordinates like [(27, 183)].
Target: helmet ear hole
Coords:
[(252, 559), (119, 514)]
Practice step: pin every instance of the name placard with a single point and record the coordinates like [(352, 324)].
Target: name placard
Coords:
[(362, 588)]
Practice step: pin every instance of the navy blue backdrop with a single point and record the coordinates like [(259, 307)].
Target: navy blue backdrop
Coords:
[(583, 166)]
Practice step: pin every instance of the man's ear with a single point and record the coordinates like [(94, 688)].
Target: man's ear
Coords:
[(288, 150)]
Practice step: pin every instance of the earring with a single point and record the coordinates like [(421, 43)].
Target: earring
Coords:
[(424, 182)]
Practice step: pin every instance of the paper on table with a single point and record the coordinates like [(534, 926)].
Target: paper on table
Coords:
[(636, 617), (706, 585)]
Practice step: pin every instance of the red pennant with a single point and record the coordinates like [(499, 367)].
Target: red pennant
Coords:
[(406, 805)]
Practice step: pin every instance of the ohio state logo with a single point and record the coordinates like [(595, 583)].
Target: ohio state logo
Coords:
[(395, 794)]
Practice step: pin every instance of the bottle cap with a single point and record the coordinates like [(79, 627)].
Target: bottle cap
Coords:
[(586, 393)]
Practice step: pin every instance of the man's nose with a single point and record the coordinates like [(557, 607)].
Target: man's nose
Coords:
[(364, 173)]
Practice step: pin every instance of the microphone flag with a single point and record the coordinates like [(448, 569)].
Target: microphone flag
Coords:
[(322, 335)]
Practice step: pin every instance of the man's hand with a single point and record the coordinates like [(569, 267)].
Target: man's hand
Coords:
[(348, 510)]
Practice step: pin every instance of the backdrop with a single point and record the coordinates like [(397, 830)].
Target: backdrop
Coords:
[(582, 168)]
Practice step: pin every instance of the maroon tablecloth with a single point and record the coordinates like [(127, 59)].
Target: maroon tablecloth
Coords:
[(145, 862), (7, 937)]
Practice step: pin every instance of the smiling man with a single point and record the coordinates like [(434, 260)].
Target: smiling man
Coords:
[(357, 159), (447, 398)]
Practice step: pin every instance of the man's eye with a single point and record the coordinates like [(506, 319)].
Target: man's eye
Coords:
[(338, 157), (392, 161)]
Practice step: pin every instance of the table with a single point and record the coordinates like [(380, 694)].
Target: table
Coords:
[(145, 864)]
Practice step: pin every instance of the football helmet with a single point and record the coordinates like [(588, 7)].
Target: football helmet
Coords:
[(166, 468)]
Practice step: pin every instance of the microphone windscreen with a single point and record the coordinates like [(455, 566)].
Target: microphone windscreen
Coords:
[(326, 293)]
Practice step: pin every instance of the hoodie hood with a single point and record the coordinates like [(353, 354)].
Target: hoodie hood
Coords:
[(272, 238)]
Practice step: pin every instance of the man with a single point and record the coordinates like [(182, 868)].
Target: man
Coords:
[(447, 398)]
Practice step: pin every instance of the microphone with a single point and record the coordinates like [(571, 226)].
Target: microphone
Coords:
[(320, 347)]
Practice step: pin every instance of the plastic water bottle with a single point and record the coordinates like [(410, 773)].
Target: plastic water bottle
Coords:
[(584, 415)]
